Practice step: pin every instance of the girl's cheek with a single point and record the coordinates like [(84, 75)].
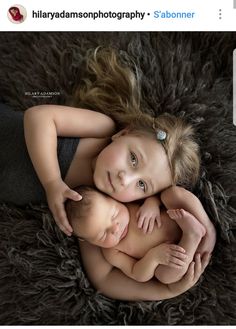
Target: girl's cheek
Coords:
[(126, 196)]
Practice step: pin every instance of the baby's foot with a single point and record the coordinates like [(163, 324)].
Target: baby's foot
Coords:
[(187, 222)]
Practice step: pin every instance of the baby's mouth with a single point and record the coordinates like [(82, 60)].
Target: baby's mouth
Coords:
[(110, 181), (124, 232)]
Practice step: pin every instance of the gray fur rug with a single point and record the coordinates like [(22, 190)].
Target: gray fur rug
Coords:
[(42, 281)]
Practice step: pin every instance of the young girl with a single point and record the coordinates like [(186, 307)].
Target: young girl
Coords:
[(144, 157)]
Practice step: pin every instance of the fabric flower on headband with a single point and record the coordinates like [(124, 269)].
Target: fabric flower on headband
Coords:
[(161, 135)]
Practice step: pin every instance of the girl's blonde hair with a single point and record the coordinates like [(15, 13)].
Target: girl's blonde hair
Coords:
[(113, 88)]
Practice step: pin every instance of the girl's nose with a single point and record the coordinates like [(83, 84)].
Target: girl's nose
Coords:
[(125, 178)]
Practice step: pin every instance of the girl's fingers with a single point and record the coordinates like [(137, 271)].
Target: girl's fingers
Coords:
[(191, 269), (73, 195), (63, 221), (64, 230), (205, 260), (62, 227), (198, 265)]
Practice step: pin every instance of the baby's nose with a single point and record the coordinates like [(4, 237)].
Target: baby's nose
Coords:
[(115, 228)]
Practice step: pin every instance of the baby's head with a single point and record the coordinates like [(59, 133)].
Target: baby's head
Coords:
[(139, 163), (97, 218)]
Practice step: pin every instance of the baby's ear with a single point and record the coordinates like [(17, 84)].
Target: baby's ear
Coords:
[(120, 133)]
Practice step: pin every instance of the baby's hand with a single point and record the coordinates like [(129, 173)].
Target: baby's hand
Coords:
[(57, 193), (148, 214), (170, 254)]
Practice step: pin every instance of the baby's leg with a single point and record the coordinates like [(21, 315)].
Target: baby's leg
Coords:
[(193, 231), (177, 197)]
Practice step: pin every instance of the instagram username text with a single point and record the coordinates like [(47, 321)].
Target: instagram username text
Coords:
[(91, 15), (157, 14)]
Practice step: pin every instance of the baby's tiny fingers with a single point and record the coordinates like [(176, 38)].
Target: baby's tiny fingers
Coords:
[(151, 225), (173, 265), (177, 261), (177, 248), (145, 224), (158, 221), (137, 214), (179, 255), (140, 221)]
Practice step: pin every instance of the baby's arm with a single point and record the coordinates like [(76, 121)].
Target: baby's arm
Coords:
[(192, 233), (149, 213), (176, 198), (42, 125), (114, 284), (143, 269)]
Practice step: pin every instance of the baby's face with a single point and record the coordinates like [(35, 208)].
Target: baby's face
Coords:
[(107, 222), (132, 167)]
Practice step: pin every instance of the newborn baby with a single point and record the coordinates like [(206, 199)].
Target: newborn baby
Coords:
[(111, 225)]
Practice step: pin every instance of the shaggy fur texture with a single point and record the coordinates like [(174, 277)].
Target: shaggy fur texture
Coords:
[(42, 281)]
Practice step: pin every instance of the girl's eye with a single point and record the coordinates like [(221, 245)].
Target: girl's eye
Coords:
[(134, 160), (142, 185)]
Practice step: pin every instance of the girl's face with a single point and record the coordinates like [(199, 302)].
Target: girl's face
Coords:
[(132, 167)]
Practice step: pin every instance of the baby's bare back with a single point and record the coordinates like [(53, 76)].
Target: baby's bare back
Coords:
[(136, 243)]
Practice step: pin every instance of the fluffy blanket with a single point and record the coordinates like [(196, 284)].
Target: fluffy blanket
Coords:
[(42, 280)]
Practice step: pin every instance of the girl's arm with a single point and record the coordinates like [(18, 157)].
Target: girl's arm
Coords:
[(42, 125), (143, 270), (178, 197), (114, 284)]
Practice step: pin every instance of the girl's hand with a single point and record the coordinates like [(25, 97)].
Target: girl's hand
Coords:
[(57, 193), (196, 268), (149, 214), (169, 254), (208, 241)]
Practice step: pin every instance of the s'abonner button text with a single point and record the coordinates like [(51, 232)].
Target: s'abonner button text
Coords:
[(173, 14)]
